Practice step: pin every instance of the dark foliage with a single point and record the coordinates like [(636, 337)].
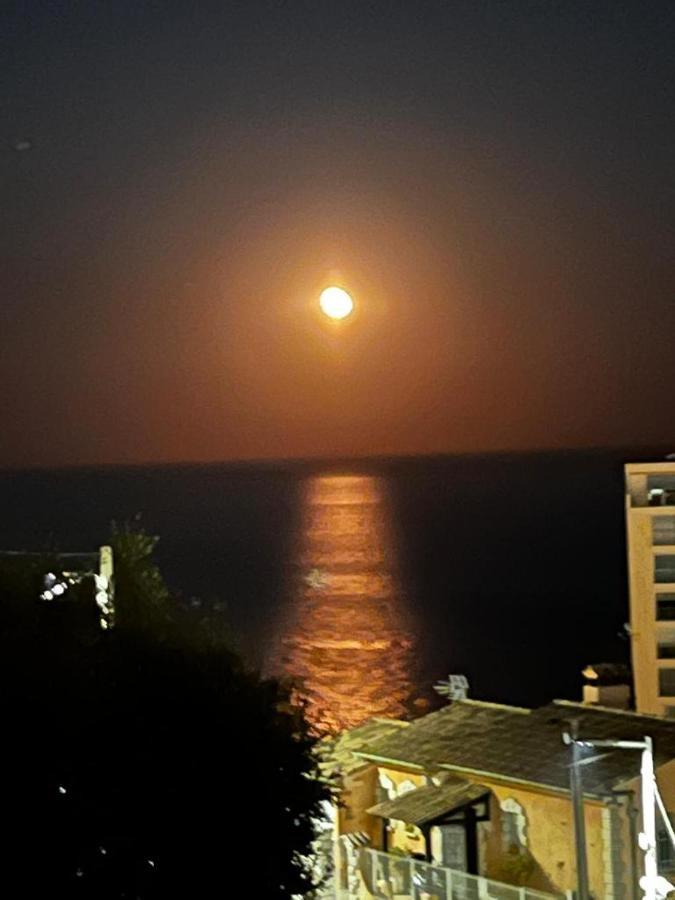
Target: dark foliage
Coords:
[(143, 762)]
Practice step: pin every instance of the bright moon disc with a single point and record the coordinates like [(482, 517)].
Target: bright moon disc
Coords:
[(336, 303)]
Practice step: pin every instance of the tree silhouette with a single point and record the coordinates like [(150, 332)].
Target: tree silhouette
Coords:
[(144, 762)]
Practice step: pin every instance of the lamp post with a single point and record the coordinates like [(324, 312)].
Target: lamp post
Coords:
[(654, 886), (576, 790)]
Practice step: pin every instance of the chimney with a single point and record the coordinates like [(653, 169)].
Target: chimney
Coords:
[(607, 684)]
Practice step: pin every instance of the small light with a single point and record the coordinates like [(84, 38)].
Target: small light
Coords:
[(62, 790), (58, 589), (47, 595)]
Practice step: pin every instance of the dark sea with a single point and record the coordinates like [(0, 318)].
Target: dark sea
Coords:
[(371, 581)]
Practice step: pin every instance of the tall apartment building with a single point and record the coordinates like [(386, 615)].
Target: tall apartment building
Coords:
[(650, 525)]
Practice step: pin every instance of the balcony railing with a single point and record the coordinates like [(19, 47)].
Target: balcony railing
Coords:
[(388, 877)]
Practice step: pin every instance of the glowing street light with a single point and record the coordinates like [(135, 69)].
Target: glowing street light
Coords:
[(655, 886)]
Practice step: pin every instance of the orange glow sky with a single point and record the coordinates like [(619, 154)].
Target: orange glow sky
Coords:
[(504, 234)]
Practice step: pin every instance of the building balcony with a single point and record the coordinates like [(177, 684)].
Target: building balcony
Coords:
[(386, 876), (651, 484), (660, 497)]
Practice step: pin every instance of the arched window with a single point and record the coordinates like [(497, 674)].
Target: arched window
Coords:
[(513, 824)]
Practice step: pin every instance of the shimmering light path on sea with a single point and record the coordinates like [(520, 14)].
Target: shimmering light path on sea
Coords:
[(345, 632)]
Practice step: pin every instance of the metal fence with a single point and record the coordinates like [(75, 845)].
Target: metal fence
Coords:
[(401, 878)]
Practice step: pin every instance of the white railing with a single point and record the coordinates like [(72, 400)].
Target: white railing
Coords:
[(391, 877)]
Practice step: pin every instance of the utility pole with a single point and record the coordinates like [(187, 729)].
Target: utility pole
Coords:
[(654, 886), (648, 835), (577, 792)]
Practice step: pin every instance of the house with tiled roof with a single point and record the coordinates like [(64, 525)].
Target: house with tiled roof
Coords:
[(484, 790), (357, 785)]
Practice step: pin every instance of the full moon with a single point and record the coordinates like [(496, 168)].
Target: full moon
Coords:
[(336, 303)]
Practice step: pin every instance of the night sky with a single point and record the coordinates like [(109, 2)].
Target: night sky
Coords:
[(492, 181)]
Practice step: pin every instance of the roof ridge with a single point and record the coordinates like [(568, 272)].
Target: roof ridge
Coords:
[(521, 710), (630, 713), (398, 723)]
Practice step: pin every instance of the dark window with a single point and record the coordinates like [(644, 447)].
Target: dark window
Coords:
[(510, 839), (664, 569), (453, 839), (512, 826), (665, 607), (665, 851), (663, 530), (667, 682)]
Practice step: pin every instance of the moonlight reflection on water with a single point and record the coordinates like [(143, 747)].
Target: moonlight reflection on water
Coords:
[(345, 634)]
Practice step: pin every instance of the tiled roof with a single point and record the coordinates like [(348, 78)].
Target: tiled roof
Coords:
[(338, 754), (526, 745), (430, 802)]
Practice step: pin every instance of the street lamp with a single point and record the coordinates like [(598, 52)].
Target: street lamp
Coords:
[(654, 886)]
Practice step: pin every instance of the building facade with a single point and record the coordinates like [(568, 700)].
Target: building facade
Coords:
[(650, 527), (481, 791)]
